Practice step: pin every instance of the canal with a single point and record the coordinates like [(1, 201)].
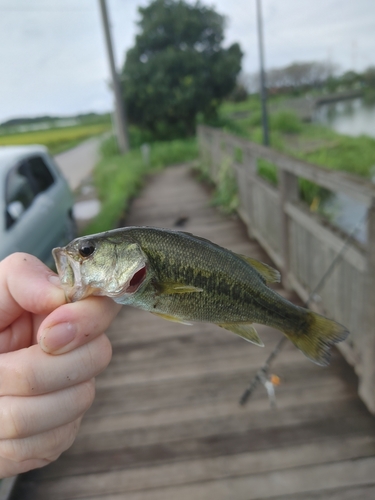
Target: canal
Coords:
[(352, 117)]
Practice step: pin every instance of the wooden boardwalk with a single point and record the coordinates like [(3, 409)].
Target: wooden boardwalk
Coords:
[(166, 423)]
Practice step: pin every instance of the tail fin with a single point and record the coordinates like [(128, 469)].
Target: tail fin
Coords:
[(317, 336)]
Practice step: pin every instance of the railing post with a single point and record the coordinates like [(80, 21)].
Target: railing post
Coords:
[(367, 380), (288, 193), (204, 149), (216, 154), (250, 167)]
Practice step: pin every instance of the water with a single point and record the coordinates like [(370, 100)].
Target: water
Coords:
[(352, 117), (347, 214)]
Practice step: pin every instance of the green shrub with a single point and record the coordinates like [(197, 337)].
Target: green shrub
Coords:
[(167, 153), (226, 193), (286, 122), (350, 154), (267, 170), (310, 192)]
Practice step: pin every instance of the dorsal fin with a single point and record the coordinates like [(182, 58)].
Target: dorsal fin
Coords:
[(269, 274)]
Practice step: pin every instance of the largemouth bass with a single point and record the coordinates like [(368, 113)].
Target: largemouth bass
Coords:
[(184, 278)]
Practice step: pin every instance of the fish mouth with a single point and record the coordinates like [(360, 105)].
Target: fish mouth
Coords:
[(69, 272)]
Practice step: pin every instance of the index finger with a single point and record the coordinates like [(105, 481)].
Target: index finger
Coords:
[(25, 285)]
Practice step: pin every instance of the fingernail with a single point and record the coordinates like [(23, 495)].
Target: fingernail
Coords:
[(55, 338)]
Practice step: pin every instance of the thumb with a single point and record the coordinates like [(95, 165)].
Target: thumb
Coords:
[(26, 286)]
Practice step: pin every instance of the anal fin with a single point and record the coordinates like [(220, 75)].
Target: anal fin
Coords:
[(244, 330)]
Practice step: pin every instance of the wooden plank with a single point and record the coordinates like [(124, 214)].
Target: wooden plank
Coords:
[(236, 422), (6, 487), (274, 255), (352, 254), (366, 388), (366, 492), (206, 411), (210, 388), (237, 366), (194, 472), (294, 481), (288, 193)]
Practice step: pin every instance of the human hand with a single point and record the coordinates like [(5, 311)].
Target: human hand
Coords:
[(42, 396)]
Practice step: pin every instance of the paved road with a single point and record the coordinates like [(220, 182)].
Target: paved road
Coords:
[(78, 162)]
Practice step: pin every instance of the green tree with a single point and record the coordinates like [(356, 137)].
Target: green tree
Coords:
[(369, 76), (178, 67), (350, 80)]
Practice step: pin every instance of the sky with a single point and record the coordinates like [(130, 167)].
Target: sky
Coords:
[(53, 59)]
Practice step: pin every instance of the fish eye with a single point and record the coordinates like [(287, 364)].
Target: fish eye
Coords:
[(86, 249)]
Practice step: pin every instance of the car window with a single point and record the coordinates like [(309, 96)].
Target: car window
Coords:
[(18, 188), (40, 175), (24, 183)]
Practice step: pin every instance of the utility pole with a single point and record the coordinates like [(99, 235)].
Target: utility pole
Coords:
[(263, 90), (121, 128)]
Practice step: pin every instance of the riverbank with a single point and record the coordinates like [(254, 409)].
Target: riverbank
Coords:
[(312, 142)]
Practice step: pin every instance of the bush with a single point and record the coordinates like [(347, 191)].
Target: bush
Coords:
[(286, 122), (226, 193), (267, 170)]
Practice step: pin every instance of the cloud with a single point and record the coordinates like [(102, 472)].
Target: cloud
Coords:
[(300, 30), (53, 58)]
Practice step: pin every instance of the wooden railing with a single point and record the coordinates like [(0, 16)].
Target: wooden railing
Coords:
[(303, 244)]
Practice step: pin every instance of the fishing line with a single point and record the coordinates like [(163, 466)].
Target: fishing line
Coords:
[(262, 374)]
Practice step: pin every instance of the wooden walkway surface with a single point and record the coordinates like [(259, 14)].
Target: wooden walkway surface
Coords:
[(166, 424)]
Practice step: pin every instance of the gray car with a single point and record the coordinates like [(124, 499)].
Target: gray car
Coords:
[(35, 203)]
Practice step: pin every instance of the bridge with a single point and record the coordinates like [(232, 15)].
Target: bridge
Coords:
[(166, 422), (305, 107)]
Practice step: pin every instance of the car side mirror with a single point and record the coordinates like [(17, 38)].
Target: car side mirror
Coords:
[(15, 209)]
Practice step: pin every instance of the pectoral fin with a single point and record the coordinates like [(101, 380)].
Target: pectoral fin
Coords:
[(246, 331), (270, 274), (170, 288), (171, 318)]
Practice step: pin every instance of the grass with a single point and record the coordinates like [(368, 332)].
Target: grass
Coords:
[(56, 139), (225, 194), (267, 170), (310, 142), (314, 143), (350, 154), (119, 178)]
